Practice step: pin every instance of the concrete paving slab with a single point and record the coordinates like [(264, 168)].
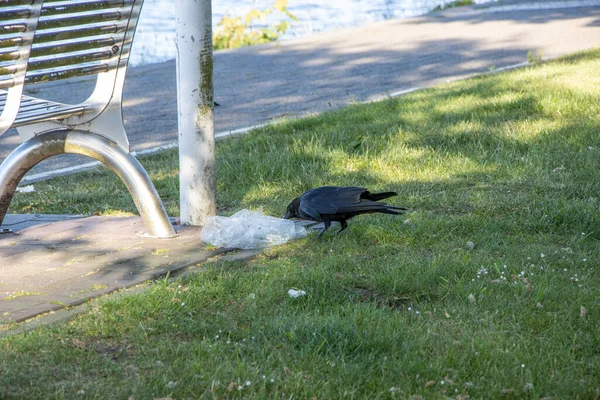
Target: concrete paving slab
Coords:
[(17, 222), (69, 262)]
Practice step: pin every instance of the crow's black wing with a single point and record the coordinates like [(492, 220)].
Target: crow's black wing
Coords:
[(329, 200)]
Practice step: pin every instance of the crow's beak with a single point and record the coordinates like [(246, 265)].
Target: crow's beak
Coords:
[(286, 216)]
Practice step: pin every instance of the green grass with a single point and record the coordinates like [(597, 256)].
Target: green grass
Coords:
[(395, 307)]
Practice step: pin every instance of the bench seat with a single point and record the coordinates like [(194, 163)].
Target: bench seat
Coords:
[(34, 110)]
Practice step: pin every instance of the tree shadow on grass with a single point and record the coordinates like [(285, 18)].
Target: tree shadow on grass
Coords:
[(465, 125)]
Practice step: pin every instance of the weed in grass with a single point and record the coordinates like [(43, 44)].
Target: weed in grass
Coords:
[(534, 58), (18, 294)]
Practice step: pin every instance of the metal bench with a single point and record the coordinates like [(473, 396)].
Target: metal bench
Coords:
[(47, 40)]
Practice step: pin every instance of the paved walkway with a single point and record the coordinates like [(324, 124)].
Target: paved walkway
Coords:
[(47, 265), (50, 265)]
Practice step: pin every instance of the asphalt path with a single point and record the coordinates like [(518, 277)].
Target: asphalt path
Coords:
[(312, 74)]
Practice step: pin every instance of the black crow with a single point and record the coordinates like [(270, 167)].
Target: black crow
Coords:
[(338, 203)]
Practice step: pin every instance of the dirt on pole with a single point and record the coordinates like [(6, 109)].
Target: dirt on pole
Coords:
[(197, 182)]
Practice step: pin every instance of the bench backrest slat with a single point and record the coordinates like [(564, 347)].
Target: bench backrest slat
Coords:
[(14, 19), (76, 38)]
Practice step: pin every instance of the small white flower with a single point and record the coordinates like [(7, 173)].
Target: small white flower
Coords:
[(522, 365), (263, 376), (216, 337), (272, 380), (171, 384), (585, 259), (542, 255), (583, 233), (392, 389), (442, 382), (240, 387), (248, 383), (182, 304), (81, 392)]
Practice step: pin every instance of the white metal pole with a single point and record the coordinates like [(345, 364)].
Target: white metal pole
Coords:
[(197, 181)]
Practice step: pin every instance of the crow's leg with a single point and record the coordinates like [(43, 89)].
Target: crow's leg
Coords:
[(326, 226), (344, 225)]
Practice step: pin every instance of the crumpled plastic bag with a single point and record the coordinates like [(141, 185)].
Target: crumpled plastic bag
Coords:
[(249, 230)]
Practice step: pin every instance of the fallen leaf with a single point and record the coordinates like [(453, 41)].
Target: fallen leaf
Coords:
[(448, 381), (78, 343), (472, 299), (429, 383), (582, 312)]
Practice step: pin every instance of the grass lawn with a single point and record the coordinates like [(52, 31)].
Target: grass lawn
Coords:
[(395, 306)]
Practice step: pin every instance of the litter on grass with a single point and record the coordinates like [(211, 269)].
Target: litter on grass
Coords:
[(249, 230), (25, 189), (296, 293)]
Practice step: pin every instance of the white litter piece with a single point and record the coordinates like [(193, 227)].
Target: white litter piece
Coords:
[(26, 189), (296, 293), (249, 230)]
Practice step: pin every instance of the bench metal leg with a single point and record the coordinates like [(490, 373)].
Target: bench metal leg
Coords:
[(49, 144)]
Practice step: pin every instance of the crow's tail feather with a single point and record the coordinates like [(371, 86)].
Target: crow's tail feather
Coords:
[(378, 196), (392, 210)]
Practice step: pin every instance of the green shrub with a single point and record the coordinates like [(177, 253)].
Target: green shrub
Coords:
[(234, 32)]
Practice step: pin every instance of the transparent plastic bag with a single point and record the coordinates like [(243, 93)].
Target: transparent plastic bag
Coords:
[(249, 230)]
